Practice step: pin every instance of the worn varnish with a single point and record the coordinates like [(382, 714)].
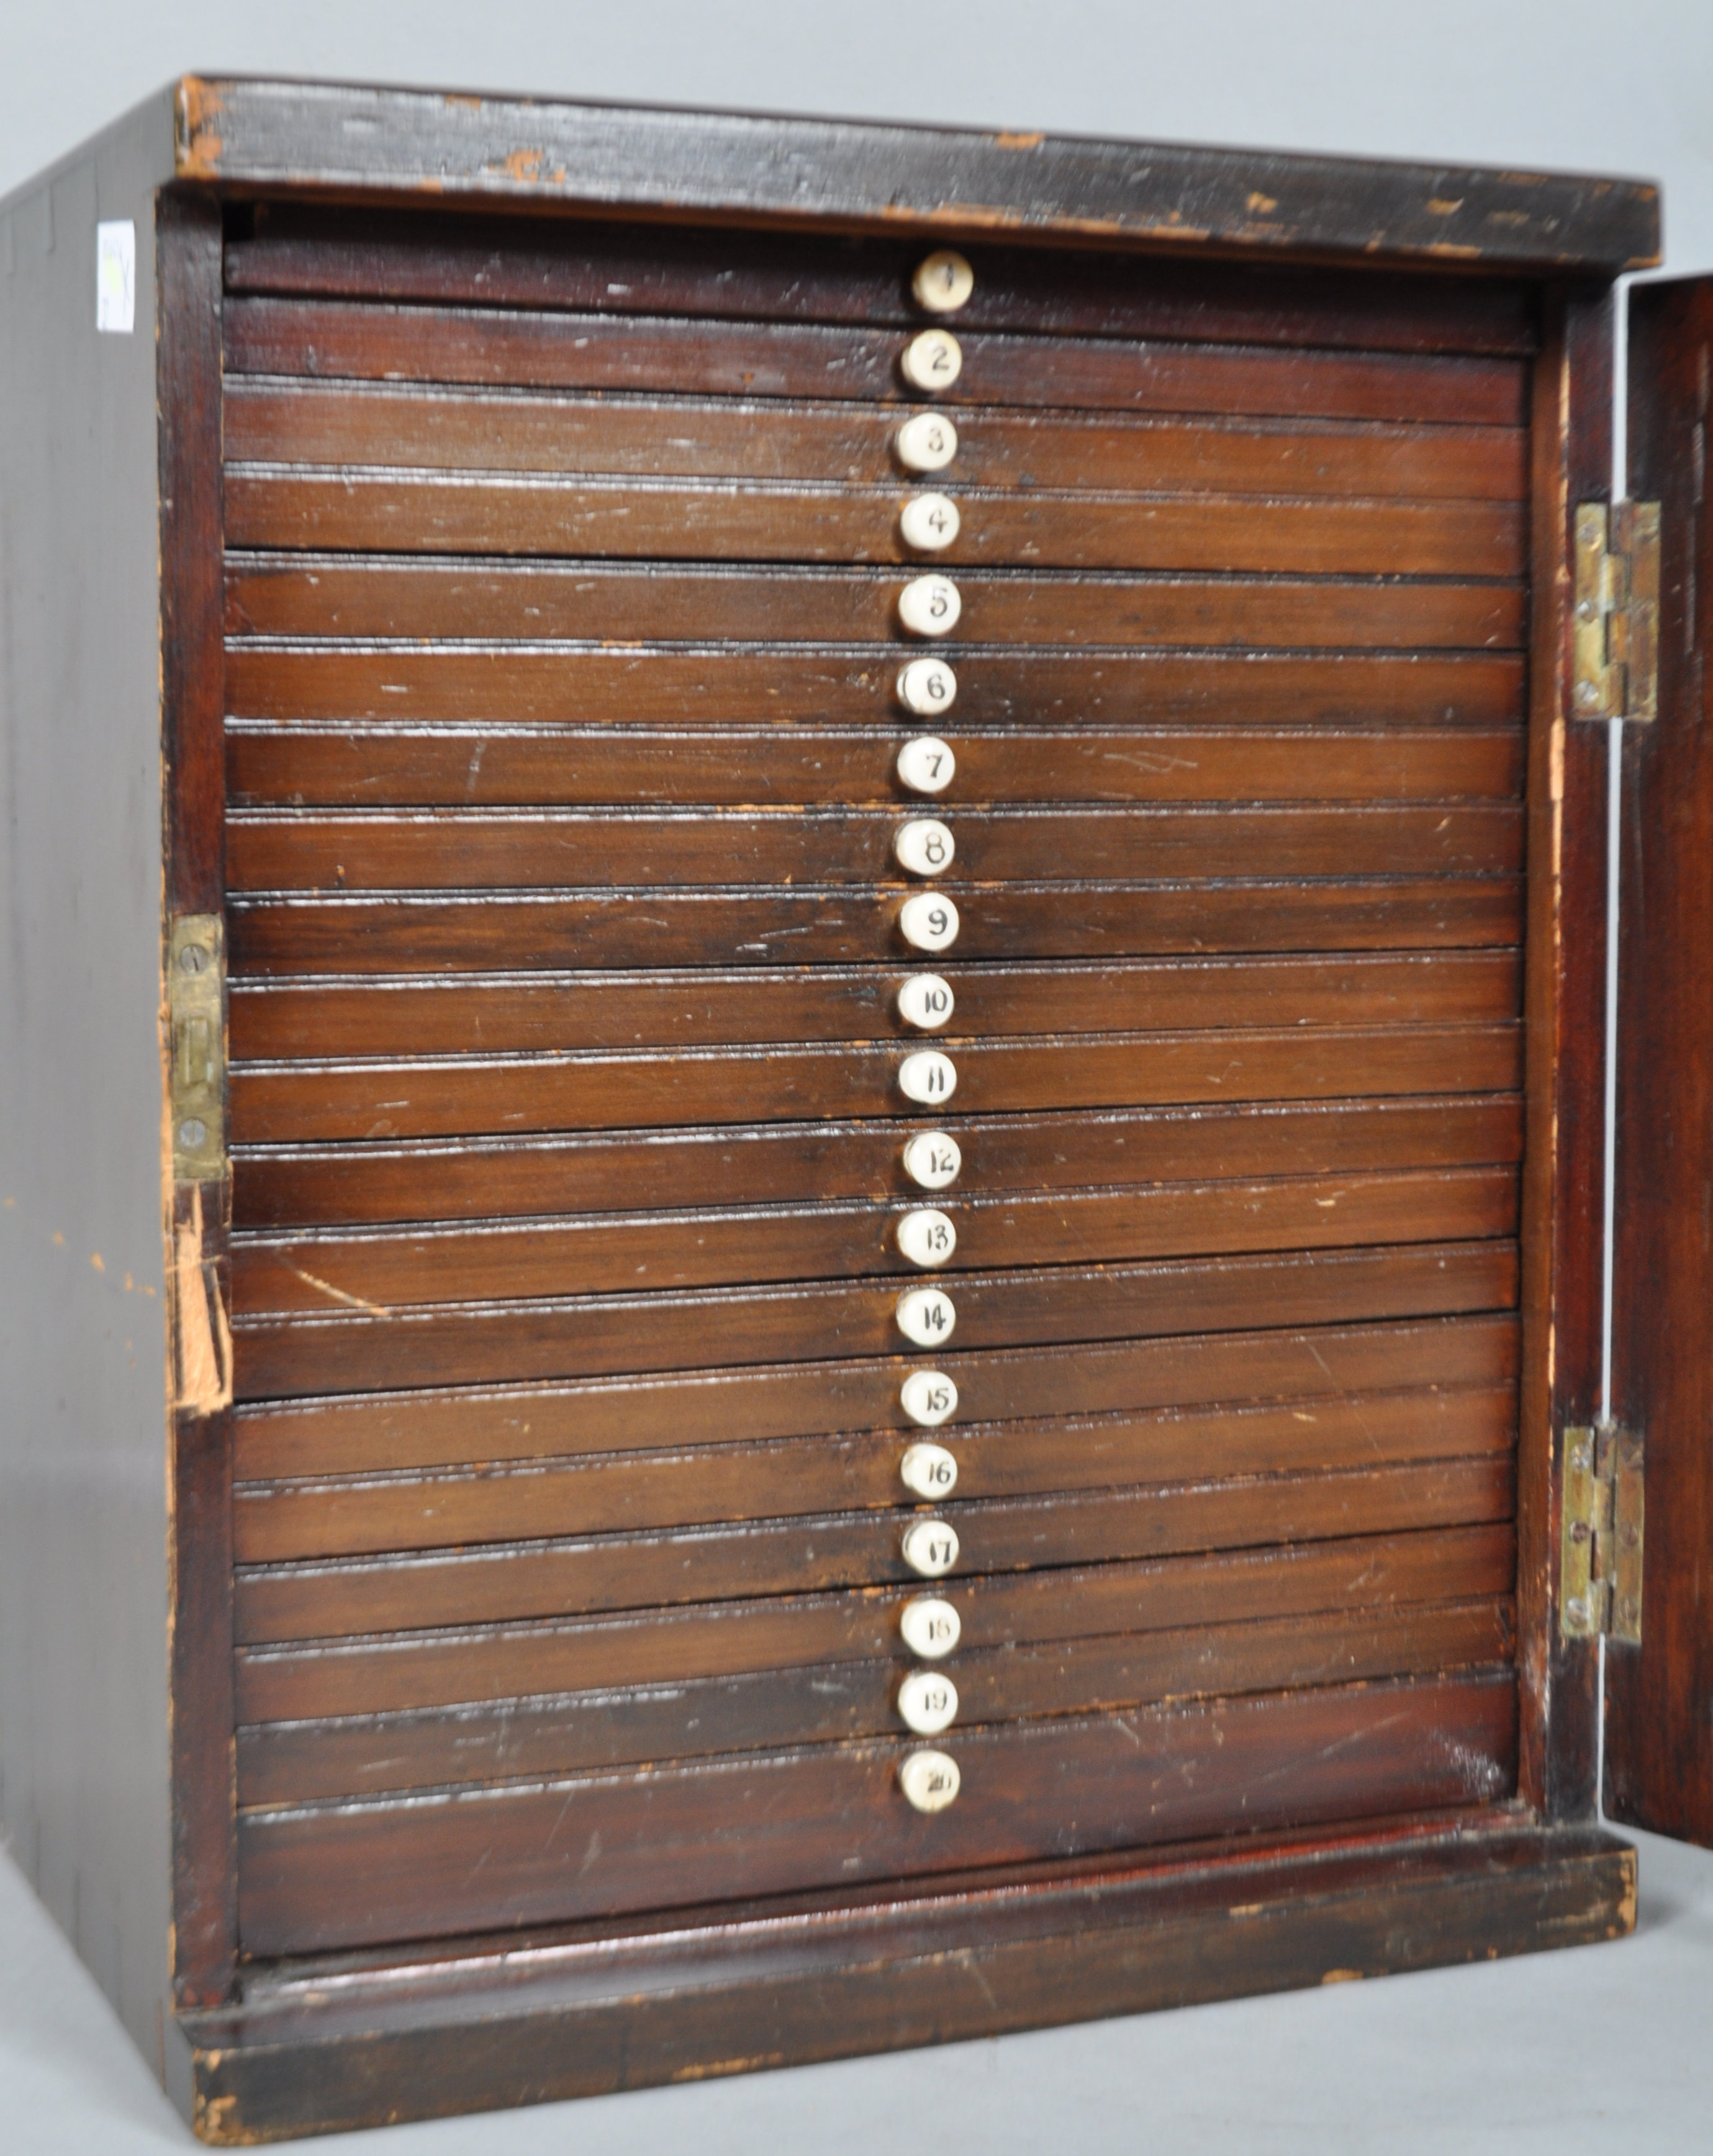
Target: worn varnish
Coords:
[(567, 1052)]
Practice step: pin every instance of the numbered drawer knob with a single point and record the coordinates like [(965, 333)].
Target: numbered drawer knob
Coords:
[(932, 1160), (927, 1702), (927, 1316), (932, 360), (930, 1547), (928, 1398), (928, 922), (926, 765), (930, 606), (930, 1781), (926, 1001), (926, 1237), (927, 1077), (928, 523), (927, 686), (930, 1627), (924, 846), (926, 441), (928, 1470), (943, 281)]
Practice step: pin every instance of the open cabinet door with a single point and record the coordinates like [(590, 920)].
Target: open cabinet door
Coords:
[(1659, 1693)]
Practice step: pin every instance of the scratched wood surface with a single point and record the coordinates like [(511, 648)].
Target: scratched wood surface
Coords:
[(561, 634)]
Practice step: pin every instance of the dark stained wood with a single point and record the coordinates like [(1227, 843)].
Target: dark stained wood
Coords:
[(919, 182), (282, 424), (502, 514), (345, 1184), (1658, 1735), (591, 1255), (665, 2004), (375, 1870), (299, 1103), (204, 1937), (469, 1343), (469, 850), (1564, 1003), (309, 1681), (722, 686), (610, 1493), (481, 1584), (472, 260), (502, 766), (295, 1763), (710, 358), (512, 1014), (293, 594), (419, 1428)]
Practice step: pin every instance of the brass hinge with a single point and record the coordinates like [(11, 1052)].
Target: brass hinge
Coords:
[(196, 1010), (1616, 602), (1600, 1549)]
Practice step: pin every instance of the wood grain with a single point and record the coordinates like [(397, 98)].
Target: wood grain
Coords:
[(295, 1682), (296, 1762), (437, 601), (375, 1871)]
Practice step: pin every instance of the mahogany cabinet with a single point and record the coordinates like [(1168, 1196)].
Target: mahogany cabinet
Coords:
[(806, 928)]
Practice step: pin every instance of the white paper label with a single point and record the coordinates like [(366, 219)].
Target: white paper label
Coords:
[(115, 277), (930, 1627)]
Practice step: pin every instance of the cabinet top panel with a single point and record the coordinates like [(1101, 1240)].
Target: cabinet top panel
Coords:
[(248, 134)]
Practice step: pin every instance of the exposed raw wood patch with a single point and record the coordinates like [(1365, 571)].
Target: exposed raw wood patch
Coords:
[(201, 1339)]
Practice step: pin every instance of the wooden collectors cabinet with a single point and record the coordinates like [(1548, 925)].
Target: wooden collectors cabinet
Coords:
[(754, 1237)]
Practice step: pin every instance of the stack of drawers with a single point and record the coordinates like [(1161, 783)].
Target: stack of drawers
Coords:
[(875, 974)]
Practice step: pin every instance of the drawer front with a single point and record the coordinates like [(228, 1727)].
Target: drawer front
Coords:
[(651, 1468)]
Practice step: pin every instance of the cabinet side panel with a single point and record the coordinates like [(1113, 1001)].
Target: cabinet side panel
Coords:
[(83, 1502)]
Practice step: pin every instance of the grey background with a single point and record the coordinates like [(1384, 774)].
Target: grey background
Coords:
[(1569, 2052)]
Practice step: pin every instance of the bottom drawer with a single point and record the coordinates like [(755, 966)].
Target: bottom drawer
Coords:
[(313, 1878)]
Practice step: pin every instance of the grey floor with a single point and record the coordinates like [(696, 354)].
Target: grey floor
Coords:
[(1607, 2049)]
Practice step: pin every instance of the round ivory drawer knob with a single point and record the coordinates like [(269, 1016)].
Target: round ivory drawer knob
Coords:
[(930, 1627), (930, 1547), (927, 1077), (927, 765), (926, 1237), (925, 1000), (927, 1702), (932, 1160), (929, 1397), (930, 606), (932, 360), (928, 922), (923, 847), (926, 441), (928, 523), (925, 686), (927, 1316), (943, 281), (930, 1780), (928, 1470)]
